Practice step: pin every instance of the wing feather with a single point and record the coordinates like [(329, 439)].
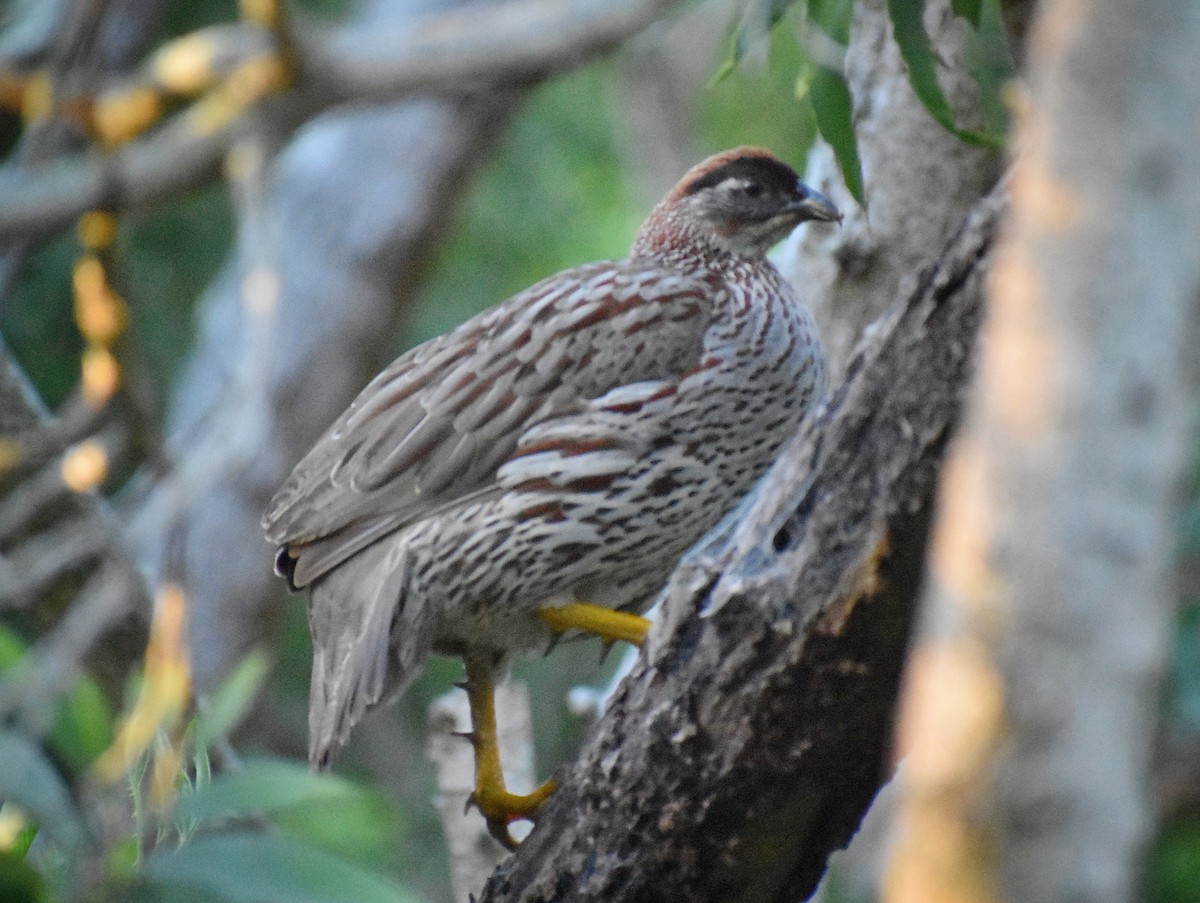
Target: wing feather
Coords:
[(436, 426)]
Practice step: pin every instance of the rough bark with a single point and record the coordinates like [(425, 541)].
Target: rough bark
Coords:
[(1034, 695), (753, 731)]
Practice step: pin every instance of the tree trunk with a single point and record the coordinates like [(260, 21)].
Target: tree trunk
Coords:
[(1034, 693)]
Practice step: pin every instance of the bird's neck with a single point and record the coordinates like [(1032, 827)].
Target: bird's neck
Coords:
[(673, 240)]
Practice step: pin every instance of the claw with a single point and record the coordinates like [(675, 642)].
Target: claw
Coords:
[(499, 830)]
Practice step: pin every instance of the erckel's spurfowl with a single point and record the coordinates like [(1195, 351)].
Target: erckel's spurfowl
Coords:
[(568, 444)]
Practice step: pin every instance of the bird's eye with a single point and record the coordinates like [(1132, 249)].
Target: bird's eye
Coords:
[(753, 190)]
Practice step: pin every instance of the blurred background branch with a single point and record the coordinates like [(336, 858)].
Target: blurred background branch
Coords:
[(375, 58)]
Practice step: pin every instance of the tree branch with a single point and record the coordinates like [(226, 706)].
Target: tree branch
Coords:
[(86, 534), (754, 730), (511, 41), (454, 50)]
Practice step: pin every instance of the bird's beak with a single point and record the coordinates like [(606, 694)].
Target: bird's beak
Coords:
[(811, 204)]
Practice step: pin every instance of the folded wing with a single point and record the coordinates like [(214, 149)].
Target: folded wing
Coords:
[(433, 429)]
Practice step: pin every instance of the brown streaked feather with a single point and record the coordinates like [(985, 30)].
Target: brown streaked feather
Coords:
[(436, 425)]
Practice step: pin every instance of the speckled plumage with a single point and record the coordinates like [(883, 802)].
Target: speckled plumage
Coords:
[(569, 443)]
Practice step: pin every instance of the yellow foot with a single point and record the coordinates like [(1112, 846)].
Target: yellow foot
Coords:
[(501, 808), (498, 806), (603, 622)]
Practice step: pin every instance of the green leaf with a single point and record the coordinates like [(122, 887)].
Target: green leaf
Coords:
[(968, 9), (224, 709), (833, 17), (83, 724), (245, 867), (29, 780), (830, 99), (1173, 872), (989, 60), (11, 648), (19, 883), (319, 809), (362, 828), (752, 30), (122, 860), (265, 786), (918, 55), (83, 728), (23, 840)]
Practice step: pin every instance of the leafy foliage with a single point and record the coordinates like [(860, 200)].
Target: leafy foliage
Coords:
[(1174, 872), (830, 98), (822, 82), (253, 867), (262, 830), (968, 9), (909, 30), (819, 80)]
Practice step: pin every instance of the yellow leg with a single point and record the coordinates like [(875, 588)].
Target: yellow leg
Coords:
[(603, 622), (498, 805)]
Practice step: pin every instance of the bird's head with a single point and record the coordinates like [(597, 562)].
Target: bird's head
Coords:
[(744, 200)]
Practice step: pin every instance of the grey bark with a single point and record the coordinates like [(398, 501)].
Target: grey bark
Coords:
[(753, 731), (1059, 544)]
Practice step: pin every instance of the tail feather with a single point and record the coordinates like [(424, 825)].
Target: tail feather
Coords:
[(353, 612)]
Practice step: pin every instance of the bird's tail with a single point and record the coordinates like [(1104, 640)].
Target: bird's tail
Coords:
[(353, 612)]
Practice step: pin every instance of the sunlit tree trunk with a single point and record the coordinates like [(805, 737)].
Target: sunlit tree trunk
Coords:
[(1033, 695)]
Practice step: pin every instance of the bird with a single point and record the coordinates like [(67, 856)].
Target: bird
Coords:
[(541, 468)]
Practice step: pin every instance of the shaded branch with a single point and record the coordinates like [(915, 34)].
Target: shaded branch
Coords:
[(748, 741), (85, 533), (455, 50), (509, 41)]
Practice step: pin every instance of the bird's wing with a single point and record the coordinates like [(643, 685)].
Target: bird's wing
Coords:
[(434, 427)]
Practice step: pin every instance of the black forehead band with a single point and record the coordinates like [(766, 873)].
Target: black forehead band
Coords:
[(770, 174)]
